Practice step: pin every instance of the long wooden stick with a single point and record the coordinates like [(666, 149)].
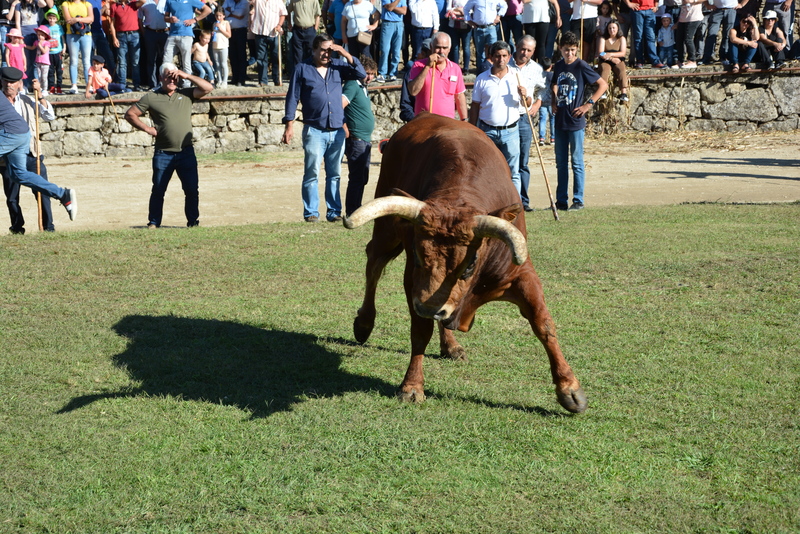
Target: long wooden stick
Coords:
[(280, 59), (541, 160), (113, 107), (38, 161), (580, 51), (433, 79)]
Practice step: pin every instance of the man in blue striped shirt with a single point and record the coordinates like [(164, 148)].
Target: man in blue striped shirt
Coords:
[(317, 85)]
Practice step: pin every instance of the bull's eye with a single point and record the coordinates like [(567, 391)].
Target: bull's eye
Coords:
[(470, 268)]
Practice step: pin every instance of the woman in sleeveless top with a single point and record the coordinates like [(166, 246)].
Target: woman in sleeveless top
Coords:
[(611, 52)]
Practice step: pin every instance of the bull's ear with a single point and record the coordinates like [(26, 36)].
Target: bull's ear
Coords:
[(508, 213), (401, 193)]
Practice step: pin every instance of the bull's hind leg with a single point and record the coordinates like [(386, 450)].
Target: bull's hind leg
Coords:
[(527, 294), (383, 248), (448, 346)]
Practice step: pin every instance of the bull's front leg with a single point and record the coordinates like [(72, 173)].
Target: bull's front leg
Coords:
[(413, 387), (380, 251), (448, 346), (528, 295)]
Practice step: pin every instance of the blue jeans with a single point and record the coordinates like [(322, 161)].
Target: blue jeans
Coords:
[(103, 48), (359, 155), (667, 55), (546, 115), (417, 36), (328, 147), (204, 70), (15, 148), (569, 145), (741, 55), (460, 46), (508, 142), (128, 52), (185, 164), (644, 36), (726, 18), (267, 57), (76, 43), (391, 37), (525, 138), (483, 37)]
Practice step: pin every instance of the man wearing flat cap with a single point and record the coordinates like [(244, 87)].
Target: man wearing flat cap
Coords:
[(16, 145)]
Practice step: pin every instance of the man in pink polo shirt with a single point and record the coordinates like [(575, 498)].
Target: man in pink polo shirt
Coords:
[(443, 77)]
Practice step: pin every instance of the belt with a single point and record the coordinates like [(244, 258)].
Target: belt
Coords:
[(303, 28), (484, 26), (128, 31), (501, 127), (164, 30)]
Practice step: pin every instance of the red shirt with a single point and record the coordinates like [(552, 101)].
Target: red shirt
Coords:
[(644, 5), (125, 17)]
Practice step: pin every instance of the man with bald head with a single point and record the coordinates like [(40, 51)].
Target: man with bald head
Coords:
[(530, 75), (437, 83)]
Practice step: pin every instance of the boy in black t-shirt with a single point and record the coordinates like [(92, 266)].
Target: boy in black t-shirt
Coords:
[(570, 78)]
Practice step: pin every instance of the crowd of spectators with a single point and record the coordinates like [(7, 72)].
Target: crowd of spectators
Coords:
[(135, 36)]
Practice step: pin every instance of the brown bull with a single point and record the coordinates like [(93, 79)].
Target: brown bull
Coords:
[(445, 196)]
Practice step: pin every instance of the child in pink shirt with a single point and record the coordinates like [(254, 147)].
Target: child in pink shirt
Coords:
[(15, 54), (42, 64)]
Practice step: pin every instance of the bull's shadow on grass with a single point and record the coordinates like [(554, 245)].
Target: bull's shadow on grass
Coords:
[(259, 371)]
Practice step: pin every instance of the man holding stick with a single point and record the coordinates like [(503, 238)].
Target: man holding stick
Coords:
[(25, 107), (266, 24), (15, 146), (170, 110), (529, 73), (437, 83)]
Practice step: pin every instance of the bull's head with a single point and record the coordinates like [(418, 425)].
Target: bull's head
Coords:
[(446, 249)]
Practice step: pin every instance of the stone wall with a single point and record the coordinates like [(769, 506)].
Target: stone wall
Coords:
[(252, 122)]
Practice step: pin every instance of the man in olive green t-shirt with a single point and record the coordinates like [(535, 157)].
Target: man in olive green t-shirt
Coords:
[(170, 110)]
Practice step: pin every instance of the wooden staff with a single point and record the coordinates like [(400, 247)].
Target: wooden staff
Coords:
[(280, 59), (580, 48), (541, 160), (433, 79), (502, 35), (113, 108), (38, 162)]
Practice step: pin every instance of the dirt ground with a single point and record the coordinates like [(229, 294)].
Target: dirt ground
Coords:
[(631, 170)]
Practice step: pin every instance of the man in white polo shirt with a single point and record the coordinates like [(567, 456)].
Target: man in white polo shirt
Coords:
[(495, 108)]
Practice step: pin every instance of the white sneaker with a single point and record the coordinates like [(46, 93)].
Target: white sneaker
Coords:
[(45, 93), (72, 90), (70, 202)]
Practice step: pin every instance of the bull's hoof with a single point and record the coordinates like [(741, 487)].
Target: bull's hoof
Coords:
[(414, 395), (573, 400), (456, 353), (361, 331)]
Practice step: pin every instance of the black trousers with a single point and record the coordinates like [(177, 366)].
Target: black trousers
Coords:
[(12, 199), (359, 155), (301, 43), (237, 53)]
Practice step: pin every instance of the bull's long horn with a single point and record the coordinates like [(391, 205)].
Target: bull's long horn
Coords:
[(407, 208), (490, 226)]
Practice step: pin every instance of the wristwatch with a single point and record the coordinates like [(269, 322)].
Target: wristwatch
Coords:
[(590, 102)]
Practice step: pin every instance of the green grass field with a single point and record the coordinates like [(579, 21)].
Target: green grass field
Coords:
[(206, 380)]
